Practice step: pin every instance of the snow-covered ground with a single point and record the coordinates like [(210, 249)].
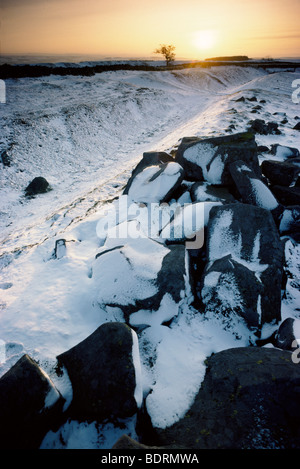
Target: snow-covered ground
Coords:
[(85, 135)]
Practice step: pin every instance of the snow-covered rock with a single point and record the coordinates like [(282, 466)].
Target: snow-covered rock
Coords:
[(230, 288), (208, 158), (156, 183), (287, 337), (151, 158), (290, 222), (251, 188), (137, 275), (283, 151), (249, 234), (154, 179)]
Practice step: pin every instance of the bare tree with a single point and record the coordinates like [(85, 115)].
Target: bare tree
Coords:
[(167, 51)]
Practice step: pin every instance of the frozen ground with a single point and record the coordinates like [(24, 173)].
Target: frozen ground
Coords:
[(84, 135)]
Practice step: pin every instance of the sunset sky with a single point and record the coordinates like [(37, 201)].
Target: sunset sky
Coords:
[(134, 28)]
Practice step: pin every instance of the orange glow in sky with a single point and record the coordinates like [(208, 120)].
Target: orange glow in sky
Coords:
[(134, 28)]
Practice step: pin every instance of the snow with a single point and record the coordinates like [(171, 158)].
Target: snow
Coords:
[(232, 244), (51, 397), (148, 187), (228, 292), (263, 195), (203, 156), (138, 392), (85, 135), (283, 152), (138, 263), (296, 330)]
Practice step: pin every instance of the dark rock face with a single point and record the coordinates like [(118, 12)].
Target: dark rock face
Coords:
[(254, 243), (249, 399), (283, 173), (30, 406), (4, 158), (38, 185), (297, 126), (262, 149), (287, 195), (170, 278), (102, 373), (208, 159)]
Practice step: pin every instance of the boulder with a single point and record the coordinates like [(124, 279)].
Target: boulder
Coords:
[(104, 371), (60, 249), (290, 222), (153, 158), (283, 173), (262, 149), (156, 183), (249, 234), (4, 158), (138, 275), (287, 195), (282, 151), (287, 337), (251, 188), (154, 179), (38, 185), (208, 159), (30, 405), (230, 288), (249, 399), (259, 126), (297, 126)]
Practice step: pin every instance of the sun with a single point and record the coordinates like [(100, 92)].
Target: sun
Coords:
[(204, 39)]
